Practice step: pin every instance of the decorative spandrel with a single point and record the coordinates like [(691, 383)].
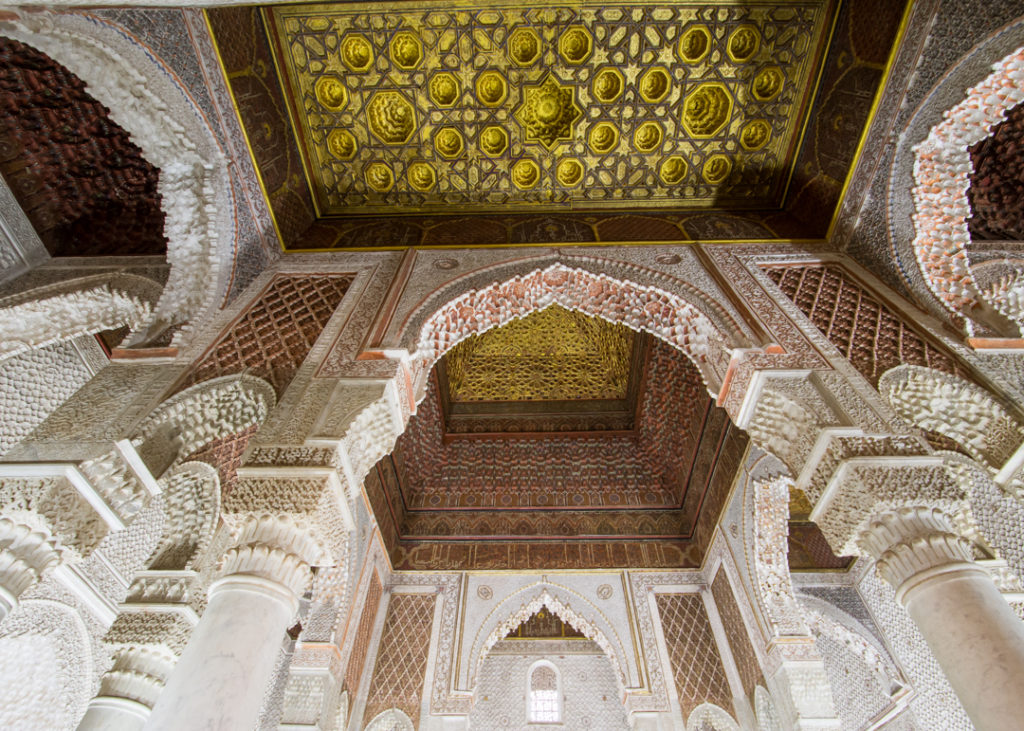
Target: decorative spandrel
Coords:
[(425, 107)]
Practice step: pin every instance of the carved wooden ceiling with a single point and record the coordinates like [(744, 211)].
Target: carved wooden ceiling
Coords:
[(562, 487), (682, 105), (499, 122), (554, 371)]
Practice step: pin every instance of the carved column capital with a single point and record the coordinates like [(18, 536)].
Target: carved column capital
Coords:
[(913, 542), (274, 548), (138, 674), (308, 496), (25, 554)]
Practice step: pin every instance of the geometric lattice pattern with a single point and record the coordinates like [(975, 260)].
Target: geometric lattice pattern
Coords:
[(361, 645), (736, 633), (484, 108), (274, 336), (402, 657), (696, 664), (225, 454), (867, 332)]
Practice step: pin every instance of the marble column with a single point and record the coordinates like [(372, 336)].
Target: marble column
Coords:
[(971, 630), (229, 661)]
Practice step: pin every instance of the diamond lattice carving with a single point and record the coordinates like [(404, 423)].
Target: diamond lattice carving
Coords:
[(402, 657), (864, 329), (274, 336), (736, 633), (696, 663), (361, 645)]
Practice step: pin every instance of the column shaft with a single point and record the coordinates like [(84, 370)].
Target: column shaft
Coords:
[(974, 635), (219, 682), (977, 640)]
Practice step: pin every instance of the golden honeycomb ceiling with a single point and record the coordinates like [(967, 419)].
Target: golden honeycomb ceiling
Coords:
[(542, 106), (552, 371), (552, 355)]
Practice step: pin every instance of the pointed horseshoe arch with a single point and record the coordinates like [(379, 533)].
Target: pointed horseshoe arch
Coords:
[(586, 618)]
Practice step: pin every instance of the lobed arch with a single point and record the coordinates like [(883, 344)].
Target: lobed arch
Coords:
[(927, 182), (765, 711), (942, 168), (191, 501), (60, 312), (826, 619), (193, 418), (955, 408), (520, 605), (153, 106), (672, 310), (393, 719)]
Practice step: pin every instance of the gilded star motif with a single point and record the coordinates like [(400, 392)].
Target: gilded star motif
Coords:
[(548, 113)]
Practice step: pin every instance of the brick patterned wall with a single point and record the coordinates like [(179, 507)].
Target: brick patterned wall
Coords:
[(274, 336), (82, 182), (402, 657), (361, 643), (870, 334), (736, 634), (696, 663)]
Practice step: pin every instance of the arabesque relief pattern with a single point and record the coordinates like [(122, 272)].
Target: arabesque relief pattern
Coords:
[(679, 105)]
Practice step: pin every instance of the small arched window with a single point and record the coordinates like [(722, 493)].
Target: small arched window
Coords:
[(545, 704)]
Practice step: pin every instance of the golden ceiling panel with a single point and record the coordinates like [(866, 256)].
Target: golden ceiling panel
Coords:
[(545, 106), (552, 355)]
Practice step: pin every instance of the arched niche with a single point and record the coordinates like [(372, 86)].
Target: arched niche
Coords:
[(569, 606)]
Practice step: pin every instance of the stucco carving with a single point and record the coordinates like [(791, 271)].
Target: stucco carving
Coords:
[(783, 427), (392, 719), (909, 540), (955, 408), (61, 317), (771, 557), (208, 411), (277, 548), (709, 717), (163, 121), (663, 314), (191, 497), (544, 600), (942, 171)]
